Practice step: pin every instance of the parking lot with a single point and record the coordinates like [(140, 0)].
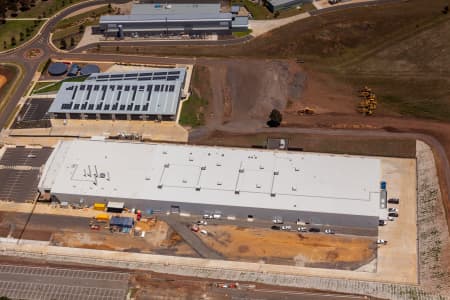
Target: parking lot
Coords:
[(21, 156), (18, 185), (22, 282), (33, 114)]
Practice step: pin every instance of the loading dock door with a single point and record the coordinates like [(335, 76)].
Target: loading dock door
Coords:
[(174, 209)]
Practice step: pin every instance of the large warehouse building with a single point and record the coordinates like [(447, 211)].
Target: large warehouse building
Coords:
[(144, 95), (173, 19), (243, 183)]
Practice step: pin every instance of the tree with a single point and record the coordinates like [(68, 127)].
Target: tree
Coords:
[(275, 118), (72, 42), (13, 41), (109, 8), (27, 31), (22, 36), (63, 44), (445, 10), (5, 45), (98, 47), (276, 14), (81, 28), (117, 48)]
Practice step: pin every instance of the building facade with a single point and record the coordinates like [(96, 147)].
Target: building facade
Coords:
[(148, 20)]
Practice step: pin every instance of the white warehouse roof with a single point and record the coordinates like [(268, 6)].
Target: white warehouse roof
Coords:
[(284, 180)]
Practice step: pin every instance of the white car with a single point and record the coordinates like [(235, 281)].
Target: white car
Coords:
[(202, 222), (392, 209), (277, 220), (203, 231), (381, 242), (329, 231), (286, 227), (302, 229)]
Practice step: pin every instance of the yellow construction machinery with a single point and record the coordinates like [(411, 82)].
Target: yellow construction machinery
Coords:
[(368, 103)]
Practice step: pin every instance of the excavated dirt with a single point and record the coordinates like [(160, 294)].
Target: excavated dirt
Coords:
[(278, 247)]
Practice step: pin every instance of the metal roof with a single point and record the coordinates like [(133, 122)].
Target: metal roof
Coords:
[(287, 2), (295, 181), (175, 9), (170, 13), (145, 92)]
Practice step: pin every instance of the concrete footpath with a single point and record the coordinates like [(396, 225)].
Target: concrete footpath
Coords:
[(214, 269)]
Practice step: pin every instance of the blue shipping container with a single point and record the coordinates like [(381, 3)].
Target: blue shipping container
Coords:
[(383, 185)]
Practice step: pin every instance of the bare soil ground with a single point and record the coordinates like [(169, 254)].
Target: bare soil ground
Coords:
[(159, 238), (245, 90), (279, 247), (9, 73), (318, 143)]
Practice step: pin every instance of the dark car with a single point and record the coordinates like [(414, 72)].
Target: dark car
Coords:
[(393, 214), (394, 201), (314, 229), (382, 222), (274, 227)]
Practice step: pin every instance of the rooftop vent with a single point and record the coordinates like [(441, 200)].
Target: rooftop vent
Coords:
[(197, 188), (276, 172)]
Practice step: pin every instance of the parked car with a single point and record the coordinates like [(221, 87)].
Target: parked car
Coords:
[(382, 222), (275, 227), (329, 231), (286, 227), (95, 227), (203, 231), (302, 229), (381, 242), (277, 220), (207, 216), (393, 214), (392, 209), (314, 229), (394, 201), (195, 228), (202, 222)]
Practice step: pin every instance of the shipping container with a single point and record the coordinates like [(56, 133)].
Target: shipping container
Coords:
[(99, 206), (102, 217)]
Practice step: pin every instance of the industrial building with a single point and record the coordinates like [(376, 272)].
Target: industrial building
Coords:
[(173, 19), (277, 5), (230, 182), (144, 95)]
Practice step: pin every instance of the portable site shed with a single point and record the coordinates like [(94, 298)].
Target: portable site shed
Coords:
[(122, 222), (116, 207)]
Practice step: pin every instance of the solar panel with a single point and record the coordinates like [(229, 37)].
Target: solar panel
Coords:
[(159, 78), (160, 73), (122, 107), (145, 74), (157, 88), (173, 72), (171, 78), (171, 88), (131, 75)]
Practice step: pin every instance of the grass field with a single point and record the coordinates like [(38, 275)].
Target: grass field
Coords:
[(399, 49), (70, 27), (13, 29), (192, 112), (45, 9), (46, 87)]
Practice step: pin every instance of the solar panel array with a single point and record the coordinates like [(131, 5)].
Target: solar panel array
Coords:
[(142, 93)]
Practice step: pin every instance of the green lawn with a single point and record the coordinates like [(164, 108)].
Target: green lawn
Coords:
[(261, 12), (46, 9), (242, 33), (192, 111), (46, 87), (13, 29)]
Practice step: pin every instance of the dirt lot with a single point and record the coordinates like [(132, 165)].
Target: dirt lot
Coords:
[(276, 247), (245, 91), (318, 143), (159, 239), (10, 73)]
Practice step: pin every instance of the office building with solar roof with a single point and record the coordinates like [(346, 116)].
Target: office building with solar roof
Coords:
[(230, 182), (173, 19), (145, 95)]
